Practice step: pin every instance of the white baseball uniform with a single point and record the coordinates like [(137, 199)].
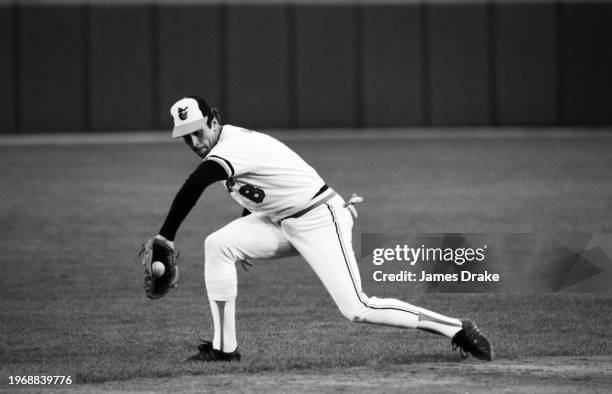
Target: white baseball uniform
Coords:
[(294, 212)]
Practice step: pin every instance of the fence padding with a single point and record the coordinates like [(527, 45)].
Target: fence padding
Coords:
[(326, 60), (459, 67), (392, 66), (121, 68), (51, 68), (587, 63), (258, 66), (8, 123), (525, 64), (189, 56)]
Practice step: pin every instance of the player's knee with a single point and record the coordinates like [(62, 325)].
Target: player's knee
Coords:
[(216, 244), (212, 242), (219, 271)]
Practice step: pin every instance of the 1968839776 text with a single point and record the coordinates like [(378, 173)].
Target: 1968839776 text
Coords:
[(40, 379)]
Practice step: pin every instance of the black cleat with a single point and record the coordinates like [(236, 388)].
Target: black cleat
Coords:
[(471, 341), (207, 353)]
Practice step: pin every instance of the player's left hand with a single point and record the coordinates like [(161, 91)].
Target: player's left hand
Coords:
[(159, 249)]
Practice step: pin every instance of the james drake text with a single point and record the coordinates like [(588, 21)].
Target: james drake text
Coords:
[(423, 276)]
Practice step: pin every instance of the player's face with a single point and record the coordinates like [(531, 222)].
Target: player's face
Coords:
[(201, 141)]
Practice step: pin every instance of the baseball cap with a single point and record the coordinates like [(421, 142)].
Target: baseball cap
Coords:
[(187, 117)]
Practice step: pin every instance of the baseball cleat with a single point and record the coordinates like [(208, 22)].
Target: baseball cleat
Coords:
[(471, 341), (207, 353)]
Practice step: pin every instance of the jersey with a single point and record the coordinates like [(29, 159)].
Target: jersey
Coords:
[(265, 176)]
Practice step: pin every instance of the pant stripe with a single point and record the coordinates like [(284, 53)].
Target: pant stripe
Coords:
[(351, 274)]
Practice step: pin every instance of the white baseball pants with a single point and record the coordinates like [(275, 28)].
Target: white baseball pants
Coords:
[(323, 237)]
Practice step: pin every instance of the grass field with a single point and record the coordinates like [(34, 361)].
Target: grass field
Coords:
[(73, 218)]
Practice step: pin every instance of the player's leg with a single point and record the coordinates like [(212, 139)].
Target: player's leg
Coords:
[(323, 237), (246, 238)]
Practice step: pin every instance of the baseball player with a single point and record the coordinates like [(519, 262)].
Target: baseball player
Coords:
[(288, 210)]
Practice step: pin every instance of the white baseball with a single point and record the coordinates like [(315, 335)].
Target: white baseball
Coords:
[(158, 268)]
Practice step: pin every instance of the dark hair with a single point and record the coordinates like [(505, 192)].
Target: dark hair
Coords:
[(206, 109)]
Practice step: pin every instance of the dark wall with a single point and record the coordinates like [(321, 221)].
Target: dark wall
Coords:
[(103, 67), (459, 69), (525, 64), (586, 63), (8, 90), (51, 68), (325, 65), (121, 68), (392, 71), (258, 63), (190, 61)]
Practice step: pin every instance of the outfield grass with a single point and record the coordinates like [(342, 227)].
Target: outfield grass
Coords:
[(73, 219)]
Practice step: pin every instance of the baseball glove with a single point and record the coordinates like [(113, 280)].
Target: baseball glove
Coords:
[(159, 249)]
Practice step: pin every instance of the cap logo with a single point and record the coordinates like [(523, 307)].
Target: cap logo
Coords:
[(182, 113)]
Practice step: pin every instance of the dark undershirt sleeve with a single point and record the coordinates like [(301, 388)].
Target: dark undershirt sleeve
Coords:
[(207, 173)]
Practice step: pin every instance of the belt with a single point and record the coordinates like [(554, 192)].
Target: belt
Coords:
[(313, 206)]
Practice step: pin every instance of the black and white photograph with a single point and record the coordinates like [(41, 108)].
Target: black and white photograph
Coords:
[(306, 196)]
